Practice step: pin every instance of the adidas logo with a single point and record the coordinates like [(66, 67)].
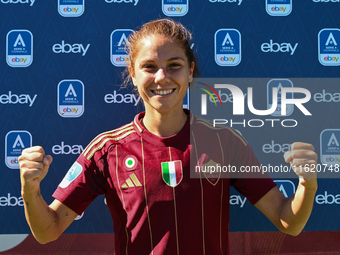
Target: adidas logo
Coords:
[(131, 182)]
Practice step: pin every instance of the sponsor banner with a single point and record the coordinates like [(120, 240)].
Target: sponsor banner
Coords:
[(330, 147), (227, 47), (279, 7), (19, 48), (71, 8), (175, 8), (272, 47), (12, 98), (15, 142), (327, 198), (326, 97), (134, 2), (30, 2), (119, 98), (68, 48), (328, 48), (10, 200), (71, 103), (279, 47), (118, 40), (274, 147), (65, 149)]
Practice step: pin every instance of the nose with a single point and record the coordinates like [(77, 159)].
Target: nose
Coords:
[(161, 76)]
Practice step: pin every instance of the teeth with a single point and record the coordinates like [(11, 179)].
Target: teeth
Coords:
[(162, 92)]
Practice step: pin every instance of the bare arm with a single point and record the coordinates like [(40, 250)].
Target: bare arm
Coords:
[(47, 223), (291, 215)]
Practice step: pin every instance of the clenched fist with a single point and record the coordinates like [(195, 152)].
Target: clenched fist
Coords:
[(34, 166), (303, 159)]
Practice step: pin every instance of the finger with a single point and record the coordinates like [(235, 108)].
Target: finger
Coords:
[(303, 154), (34, 156), (303, 162), (31, 170), (300, 150), (38, 149), (47, 160), (288, 156), (302, 146), (28, 165)]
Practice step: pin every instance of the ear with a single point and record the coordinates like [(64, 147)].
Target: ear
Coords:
[(191, 71), (132, 74)]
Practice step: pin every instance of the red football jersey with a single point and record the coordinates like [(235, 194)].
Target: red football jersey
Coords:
[(157, 205)]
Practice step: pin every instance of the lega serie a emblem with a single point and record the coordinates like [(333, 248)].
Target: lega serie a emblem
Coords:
[(71, 98), (172, 172), (328, 47), (279, 7), (227, 47), (173, 8), (330, 147), (74, 8), (15, 142), (19, 48), (286, 187), (279, 84), (118, 40)]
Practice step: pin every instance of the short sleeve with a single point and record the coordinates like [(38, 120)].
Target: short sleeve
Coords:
[(251, 185), (82, 183)]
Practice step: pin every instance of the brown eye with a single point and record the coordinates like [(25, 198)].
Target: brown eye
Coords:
[(148, 67), (175, 65)]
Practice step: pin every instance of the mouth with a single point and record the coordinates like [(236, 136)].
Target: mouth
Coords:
[(163, 92)]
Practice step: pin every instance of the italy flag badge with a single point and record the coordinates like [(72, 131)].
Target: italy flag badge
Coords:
[(172, 172)]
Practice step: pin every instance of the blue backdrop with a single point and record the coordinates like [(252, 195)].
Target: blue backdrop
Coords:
[(60, 86)]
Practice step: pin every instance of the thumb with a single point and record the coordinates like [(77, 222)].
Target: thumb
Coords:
[(47, 160), (288, 156)]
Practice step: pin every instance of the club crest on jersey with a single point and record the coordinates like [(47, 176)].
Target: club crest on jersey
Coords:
[(172, 172), (211, 177), (130, 162)]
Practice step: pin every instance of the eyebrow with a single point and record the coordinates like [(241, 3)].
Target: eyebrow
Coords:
[(176, 58), (171, 59)]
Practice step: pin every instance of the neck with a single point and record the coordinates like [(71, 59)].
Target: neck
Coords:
[(164, 125)]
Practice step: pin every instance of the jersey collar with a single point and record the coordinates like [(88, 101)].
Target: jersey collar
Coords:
[(181, 137)]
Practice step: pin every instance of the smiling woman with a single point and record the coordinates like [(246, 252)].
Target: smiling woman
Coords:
[(162, 65)]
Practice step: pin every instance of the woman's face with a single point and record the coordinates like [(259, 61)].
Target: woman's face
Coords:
[(161, 73)]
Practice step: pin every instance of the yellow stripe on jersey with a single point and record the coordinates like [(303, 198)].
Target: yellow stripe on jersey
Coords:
[(102, 144), (102, 139), (98, 138), (191, 119), (235, 133), (137, 125), (208, 124)]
